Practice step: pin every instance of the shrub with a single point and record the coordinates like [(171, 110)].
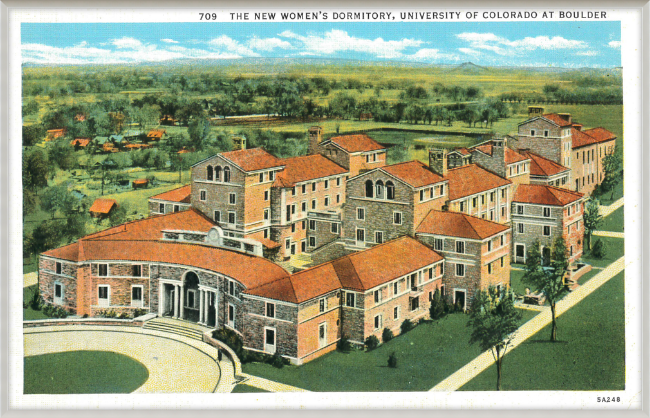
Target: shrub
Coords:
[(344, 344), (55, 311), (406, 326), (598, 250), (85, 315), (231, 339), (438, 306), (277, 361), (392, 360), (372, 342), (110, 314), (139, 312), (387, 335), (36, 303), (124, 315)]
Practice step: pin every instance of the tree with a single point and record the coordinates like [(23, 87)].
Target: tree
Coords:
[(118, 215), (438, 308), (30, 202), (57, 198), (47, 235), (75, 226), (548, 280), (62, 155), (35, 170), (592, 220), (612, 165), (198, 130), (494, 320), (32, 134)]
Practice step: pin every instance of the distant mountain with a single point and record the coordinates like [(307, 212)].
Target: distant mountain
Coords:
[(470, 68)]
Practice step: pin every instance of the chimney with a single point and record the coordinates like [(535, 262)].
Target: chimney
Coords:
[(535, 111), (577, 126), (565, 116), (499, 155), (315, 137), (438, 161)]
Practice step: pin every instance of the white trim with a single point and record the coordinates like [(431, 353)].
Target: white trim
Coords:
[(108, 294), (324, 343), (217, 182), (401, 218), (464, 299), (275, 340), (368, 199), (263, 299), (141, 295)]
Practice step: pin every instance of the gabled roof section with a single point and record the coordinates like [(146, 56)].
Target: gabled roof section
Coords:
[(557, 119), (304, 168), (103, 205), (600, 134), (460, 225), (356, 143), (580, 138), (540, 166), (414, 173), (545, 195), (462, 151), (252, 159), (511, 156), (472, 179), (180, 195)]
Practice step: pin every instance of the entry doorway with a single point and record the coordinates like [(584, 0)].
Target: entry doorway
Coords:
[(459, 299), (191, 297), (269, 340)]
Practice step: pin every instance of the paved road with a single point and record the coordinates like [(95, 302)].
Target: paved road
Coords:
[(485, 360), (176, 364), (606, 210)]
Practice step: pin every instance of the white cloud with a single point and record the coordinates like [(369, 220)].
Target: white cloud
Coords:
[(169, 41), (587, 53), (504, 46), (268, 44), (544, 42), (615, 44), (340, 41), (127, 42), (431, 55), (469, 51), (230, 45)]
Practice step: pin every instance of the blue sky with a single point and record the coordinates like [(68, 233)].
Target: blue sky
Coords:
[(559, 44)]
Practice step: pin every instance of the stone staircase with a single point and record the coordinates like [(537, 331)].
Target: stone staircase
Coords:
[(177, 326)]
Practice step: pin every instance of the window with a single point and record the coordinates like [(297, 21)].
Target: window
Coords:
[(547, 212), (361, 214), (217, 173), (520, 209), (397, 218), (103, 295), (312, 241), (369, 188), (437, 244), (503, 240), (379, 237), (462, 206), (378, 322), (519, 250), (349, 299), (482, 199), (520, 228), (422, 195), (58, 293), (338, 181), (338, 198), (377, 296), (474, 202), (415, 304), (396, 313), (390, 191), (379, 189), (217, 216), (327, 201), (395, 288), (103, 270), (503, 193), (269, 337), (287, 243), (261, 177), (304, 188), (136, 296), (293, 227), (232, 217), (322, 334), (231, 316), (232, 198), (271, 175), (270, 310), (327, 184), (430, 273), (532, 132), (313, 187), (312, 225), (57, 267), (136, 270), (266, 214), (546, 133), (203, 195), (266, 195), (460, 247), (231, 288), (489, 245), (460, 270), (335, 228), (266, 233), (313, 204), (322, 305), (547, 231), (161, 208), (489, 268), (177, 208), (209, 174), (226, 174), (501, 261), (361, 235)]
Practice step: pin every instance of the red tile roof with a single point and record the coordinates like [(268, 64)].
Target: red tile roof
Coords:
[(357, 271), (557, 119), (155, 134), (252, 159), (357, 143), (600, 134), (472, 179), (304, 168), (251, 271), (545, 195), (580, 139), (414, 173), (140, 181), (461, 225), (82, 142), (540, 166), (180, 195), (103, 206), (511, 156)]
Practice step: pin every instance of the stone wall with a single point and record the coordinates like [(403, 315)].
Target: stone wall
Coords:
[(47, 277), (285, 324)]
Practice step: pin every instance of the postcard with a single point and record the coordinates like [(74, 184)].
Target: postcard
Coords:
[(313, 207)]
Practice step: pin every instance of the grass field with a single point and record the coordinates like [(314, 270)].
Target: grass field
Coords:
[(425, 356), (614, 249), (593, 327), (29, 313), (615, 222), (82, 372)]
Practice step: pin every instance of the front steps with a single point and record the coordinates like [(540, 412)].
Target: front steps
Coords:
[(177, 326)]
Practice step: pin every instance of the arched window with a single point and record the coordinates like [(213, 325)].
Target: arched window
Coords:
[(226, 174), (210, 172), (379, 189), (217, 173), (390, 190), (369, 188)]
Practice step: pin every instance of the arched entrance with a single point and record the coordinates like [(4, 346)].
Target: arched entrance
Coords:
[(191, 297)]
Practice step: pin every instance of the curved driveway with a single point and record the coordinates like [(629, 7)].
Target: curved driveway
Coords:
[(175, 364)]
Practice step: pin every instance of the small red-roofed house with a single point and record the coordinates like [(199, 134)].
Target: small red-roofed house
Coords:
[(102, 208), (476, 251), (544, 213)]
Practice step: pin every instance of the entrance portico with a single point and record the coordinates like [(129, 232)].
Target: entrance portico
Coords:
[(189, 300)]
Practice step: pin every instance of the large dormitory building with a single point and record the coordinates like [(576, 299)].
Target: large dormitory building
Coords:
[(377, 240)]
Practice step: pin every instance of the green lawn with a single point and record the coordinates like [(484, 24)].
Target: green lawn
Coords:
[(76, 372), (29, 313), (615, 222), (425, 356), (608, 198), (589, 356), (614, 249), (242, 388)]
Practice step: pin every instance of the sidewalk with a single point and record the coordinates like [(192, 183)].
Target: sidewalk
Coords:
[(485, 360), (608, 234), (30, 279), (606, 210), (269, 385)]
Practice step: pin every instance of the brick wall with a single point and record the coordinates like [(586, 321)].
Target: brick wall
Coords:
[(310, 318), (359, 163), (47, 277)]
